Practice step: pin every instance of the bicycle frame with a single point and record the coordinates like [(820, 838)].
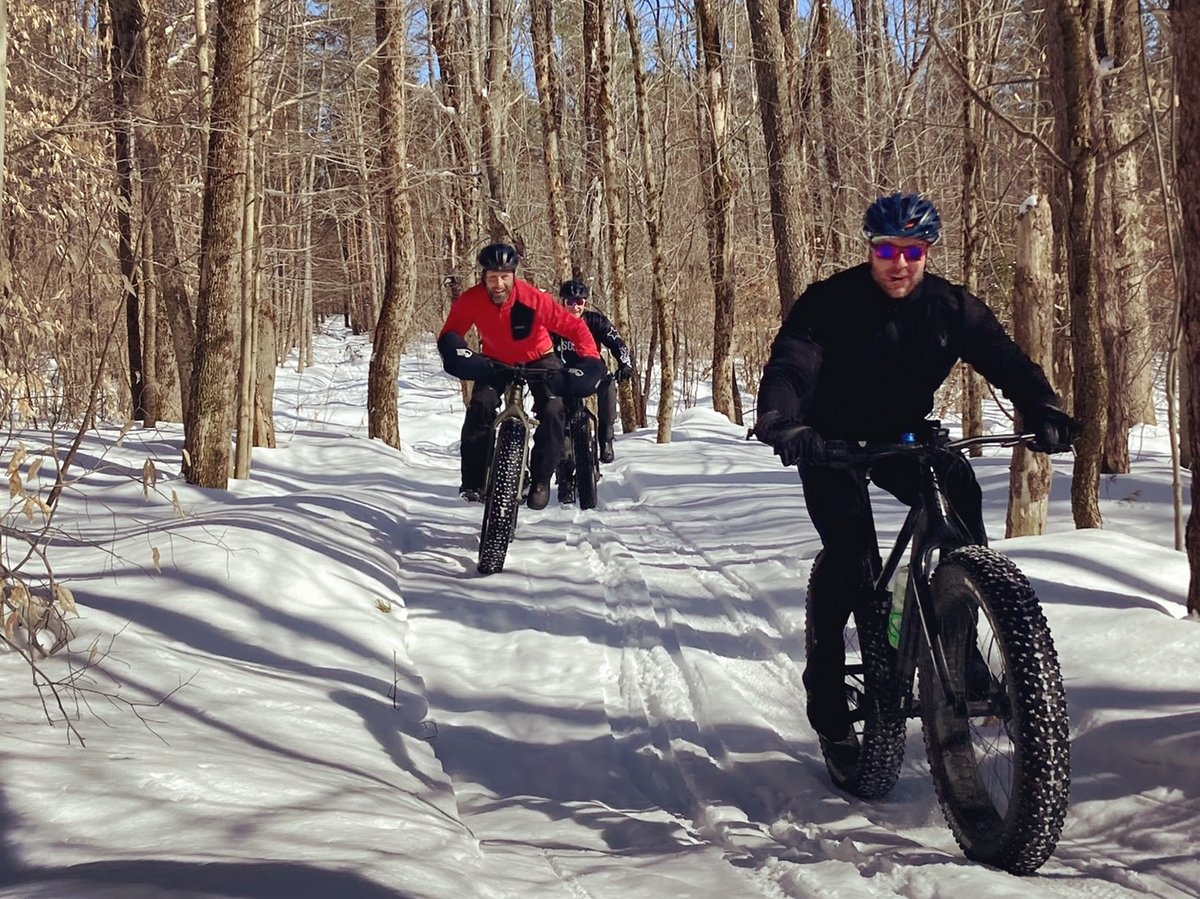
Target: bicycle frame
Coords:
[(928, 528), (514, 407)]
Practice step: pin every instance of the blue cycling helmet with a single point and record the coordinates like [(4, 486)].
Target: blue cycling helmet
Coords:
[(903, 215), (498, 257)]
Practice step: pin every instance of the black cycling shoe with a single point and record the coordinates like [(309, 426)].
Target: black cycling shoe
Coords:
[(471, 494), (606, 451), (539, 495)]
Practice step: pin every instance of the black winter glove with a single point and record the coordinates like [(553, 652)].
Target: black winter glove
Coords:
[(1054, 429), (799, 445), (624, 373), (794, 443), (579, 379)]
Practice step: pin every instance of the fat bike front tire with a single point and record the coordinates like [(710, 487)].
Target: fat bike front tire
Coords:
[(1000, 754), (868, 764), (503, 496)]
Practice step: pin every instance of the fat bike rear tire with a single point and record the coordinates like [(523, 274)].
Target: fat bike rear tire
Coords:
[(583, 440), (868, 764), (1002, 770)]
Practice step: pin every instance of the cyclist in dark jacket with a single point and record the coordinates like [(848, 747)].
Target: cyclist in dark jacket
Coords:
[(574, 295), (860, 357), (515, 321)]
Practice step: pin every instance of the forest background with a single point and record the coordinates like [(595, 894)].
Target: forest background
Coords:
[(189, 186)]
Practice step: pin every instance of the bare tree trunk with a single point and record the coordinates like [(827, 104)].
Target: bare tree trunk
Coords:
[(249, 324), (652, 188), (1033, 329), (491, 106), (462, 226), (1070, 30), (1121, 246), (720, 205), (833, 164), (210, 416), (126, 62), (1185, 20), (785, 165), (596, 13), (971, 401), (383, 414), (550, 102), (160, 214)]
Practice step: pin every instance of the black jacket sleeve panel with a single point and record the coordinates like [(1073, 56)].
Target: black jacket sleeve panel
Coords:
[(989, 349), (605, 333), (789, 378), (462, 362)]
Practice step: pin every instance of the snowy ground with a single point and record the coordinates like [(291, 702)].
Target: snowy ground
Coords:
[(312, 692)]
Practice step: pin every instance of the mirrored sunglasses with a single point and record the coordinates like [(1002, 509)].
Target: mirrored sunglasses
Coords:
[(889, 252)]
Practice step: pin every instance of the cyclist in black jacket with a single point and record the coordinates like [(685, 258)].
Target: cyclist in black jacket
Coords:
[(860, 357), (574, 295)]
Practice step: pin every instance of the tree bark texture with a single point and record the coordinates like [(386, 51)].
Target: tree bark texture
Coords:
[(383, 414), (664, 319), (550, 101), (1033, 329), (785, 164), (1076, 85), (719, 220), (210, 419), (128, 18), (1185, 19)]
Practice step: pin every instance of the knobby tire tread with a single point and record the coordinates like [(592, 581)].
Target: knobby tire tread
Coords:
[(584, 442), (969, 583), (871, 770), (503, 496)]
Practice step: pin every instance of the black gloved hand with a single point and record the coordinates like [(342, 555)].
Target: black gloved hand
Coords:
[(624, 373), (798, 445), (580, 379), (1053, 428)]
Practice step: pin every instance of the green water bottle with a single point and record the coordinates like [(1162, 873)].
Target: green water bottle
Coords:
[(896, 615)]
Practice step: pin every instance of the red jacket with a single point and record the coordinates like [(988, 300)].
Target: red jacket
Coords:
[(519, 331)]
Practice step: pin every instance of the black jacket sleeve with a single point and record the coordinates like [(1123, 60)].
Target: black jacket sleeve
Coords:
[(464, 363), (994, 354), (790, 375), (604, 333)]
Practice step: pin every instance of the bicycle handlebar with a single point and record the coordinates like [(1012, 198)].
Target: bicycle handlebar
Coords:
[(854, 452)]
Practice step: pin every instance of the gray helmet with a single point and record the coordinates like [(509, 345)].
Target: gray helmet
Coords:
[(499, 257), (574, 290), (903, 215)]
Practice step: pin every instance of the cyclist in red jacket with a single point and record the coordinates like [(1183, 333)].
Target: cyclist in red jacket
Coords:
[(515, 321)]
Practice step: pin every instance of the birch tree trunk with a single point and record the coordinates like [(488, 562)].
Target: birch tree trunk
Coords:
[(1185, 20), (719, 218), (210, 417), (383, 415), (1033, 329), (664, 321), (1073, 67)]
